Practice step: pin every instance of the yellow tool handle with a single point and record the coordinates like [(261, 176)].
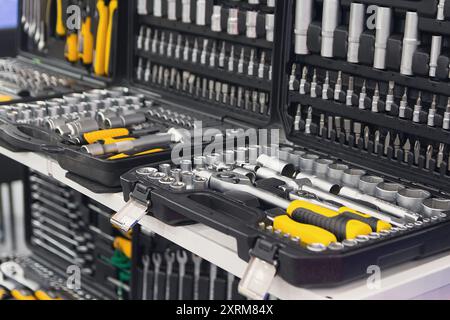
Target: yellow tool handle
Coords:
[(124, 156), (60, 28), (71, 51), (87, 42), (4, 98), (376, 224), (95, 136), (4, 294), (342, 226), (308, 234), (112, 32), (124, 245), (47, 296), (100, 42), (22, 294)]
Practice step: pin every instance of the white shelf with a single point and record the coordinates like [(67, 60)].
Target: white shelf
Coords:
[(407, 281)]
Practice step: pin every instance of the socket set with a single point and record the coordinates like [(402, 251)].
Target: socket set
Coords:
[(217, 53), (361, 92), (73, 232), (102, 129), (247, 192), (23, 81), (165, 271)]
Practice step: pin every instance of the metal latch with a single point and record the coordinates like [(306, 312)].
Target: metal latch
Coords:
[(260, 272), (135, 209)]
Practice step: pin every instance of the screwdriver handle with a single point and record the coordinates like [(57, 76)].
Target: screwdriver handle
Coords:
[(60, 28), (124, 156), (111, 35), (71, 50), (22, 294), (123, 245), (46, 296), (376, 224), (95, 136), (308, 234), (87, 42), (100, 42), (343, 227)]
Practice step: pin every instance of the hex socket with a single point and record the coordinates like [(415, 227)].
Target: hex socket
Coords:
[(383, 32), (412, 198), (307, 162), (303, 18), (368, 184), (356, 28), (351, 177), (330, 21), (335, 171), (321, 167), (410, 42), (433, 207), (388, 191)]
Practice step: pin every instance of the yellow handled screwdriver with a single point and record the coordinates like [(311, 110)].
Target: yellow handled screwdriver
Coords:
[(111, 47), (101, 29), (86, 39), (60, 26)]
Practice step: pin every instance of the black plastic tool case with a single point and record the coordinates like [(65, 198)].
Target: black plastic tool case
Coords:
[(296, 265), (82, 215), (106, 176)]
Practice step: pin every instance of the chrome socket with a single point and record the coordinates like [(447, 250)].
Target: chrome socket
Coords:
[(412, 198), (387, 191), (433, 207), (307, 162), (335, 171), (351, 177), (368, 184), (320, 167)]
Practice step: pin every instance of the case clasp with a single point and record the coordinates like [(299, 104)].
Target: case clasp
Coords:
[(135, 209), (260, 272)]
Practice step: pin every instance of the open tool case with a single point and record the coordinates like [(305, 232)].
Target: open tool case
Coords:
[(241, 217), (71, 235), (188, 100)]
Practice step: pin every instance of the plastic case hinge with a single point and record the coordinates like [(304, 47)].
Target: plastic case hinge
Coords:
[(260, 272), (134, 210)]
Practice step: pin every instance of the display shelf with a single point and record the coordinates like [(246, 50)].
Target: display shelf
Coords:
[(406, 281)]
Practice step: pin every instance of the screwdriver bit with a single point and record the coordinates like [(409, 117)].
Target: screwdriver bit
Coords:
[(303, 80), (326, 86), (432, 113), (375, 99), (390, 96), (292, 77), (406, 149), (313, 90), (417, 109), (362, 97), (403, 105), (440, 156), (338, 86), (350, 90), (446, 121)]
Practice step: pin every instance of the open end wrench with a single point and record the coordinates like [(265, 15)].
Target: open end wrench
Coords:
[(146, 266), (182, 259), (170, 259), (156, 259), (197, 268)]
